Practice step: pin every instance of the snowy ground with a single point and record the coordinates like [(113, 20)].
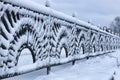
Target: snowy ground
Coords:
[(99, 68)]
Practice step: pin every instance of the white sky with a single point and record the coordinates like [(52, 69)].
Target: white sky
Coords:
[(99, 12)]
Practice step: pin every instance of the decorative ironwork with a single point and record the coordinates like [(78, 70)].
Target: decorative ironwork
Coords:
[(45, 36)]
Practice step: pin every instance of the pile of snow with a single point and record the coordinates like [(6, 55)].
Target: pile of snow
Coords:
[(99, 68)]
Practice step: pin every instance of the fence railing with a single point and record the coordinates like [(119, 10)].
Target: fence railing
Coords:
[(48, 34)]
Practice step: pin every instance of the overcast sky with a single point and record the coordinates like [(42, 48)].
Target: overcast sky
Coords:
[(99, 12)]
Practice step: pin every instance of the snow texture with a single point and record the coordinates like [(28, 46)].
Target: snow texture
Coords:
[(47, 10), (47, 33), (98, 68)]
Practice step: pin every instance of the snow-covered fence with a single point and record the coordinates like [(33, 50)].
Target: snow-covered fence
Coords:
[(46, 32)]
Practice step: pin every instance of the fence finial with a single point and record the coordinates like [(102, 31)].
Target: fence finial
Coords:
[(74, 14), (48, 3)]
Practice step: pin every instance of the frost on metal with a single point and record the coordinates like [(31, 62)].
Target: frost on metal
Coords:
[(45, 32)]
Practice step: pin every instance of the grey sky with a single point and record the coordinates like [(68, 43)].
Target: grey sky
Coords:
[(99, 12)]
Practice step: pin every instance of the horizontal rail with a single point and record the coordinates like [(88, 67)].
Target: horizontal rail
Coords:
[(45, 32), (49, 11), (52, 65)]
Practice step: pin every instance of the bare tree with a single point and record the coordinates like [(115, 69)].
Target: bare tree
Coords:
[(115, 25)]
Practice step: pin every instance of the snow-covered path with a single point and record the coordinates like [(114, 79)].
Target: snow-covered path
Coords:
[(99, 68)]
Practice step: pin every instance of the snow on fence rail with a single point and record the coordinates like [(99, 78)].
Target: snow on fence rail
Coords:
[(46, 33)]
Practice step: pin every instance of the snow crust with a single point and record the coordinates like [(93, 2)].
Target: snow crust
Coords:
[(99, 68), (49, 60)]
